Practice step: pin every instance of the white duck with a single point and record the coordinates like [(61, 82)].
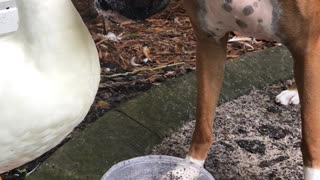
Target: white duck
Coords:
[(49, 75)]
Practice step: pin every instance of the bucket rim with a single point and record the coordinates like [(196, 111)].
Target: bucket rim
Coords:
[(157, 158)]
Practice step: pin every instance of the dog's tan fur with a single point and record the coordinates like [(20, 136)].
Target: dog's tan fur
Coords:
[(299, 24)]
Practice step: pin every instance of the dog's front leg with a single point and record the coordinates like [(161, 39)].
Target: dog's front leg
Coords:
[(307, 75), (211, 57)]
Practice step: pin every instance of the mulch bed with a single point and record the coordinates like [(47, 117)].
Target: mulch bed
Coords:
[(145, 54), (168, 41)]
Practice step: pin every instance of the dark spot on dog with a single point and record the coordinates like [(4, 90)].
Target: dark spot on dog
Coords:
[(227, 7), (256, 4), (260, 28), (228, 1), (211, 34), (217, 29), (260, 21), (241, 24), (248, 10), (220, 22)]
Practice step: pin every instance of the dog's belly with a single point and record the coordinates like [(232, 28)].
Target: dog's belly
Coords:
[(257, 18)]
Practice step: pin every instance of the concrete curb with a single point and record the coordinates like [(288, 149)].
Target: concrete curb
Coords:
[(136, 126)]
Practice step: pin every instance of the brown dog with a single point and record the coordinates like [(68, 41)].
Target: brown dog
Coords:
[(295, 23)]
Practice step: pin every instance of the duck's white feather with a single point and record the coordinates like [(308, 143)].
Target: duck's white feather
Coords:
[(49, 75)]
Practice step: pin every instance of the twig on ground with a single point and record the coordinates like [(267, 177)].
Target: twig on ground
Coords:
[(141, 70)]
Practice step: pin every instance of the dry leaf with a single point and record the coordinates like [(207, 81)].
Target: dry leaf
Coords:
[(105, 55), (232, 55), (158, 30), (146, 52), (127, 22), (103, 104)]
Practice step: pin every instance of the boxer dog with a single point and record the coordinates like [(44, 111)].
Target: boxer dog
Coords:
[(295, 23)]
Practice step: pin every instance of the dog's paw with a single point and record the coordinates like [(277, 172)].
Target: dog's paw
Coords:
[(195, 161), (182, 172), (288, 97), (311, 173)]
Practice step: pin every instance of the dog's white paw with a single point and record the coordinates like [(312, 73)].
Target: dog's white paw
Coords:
[(288, 97), (196, 161), (311, 173), (181, 171)]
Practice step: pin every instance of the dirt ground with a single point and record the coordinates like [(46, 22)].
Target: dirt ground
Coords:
[(135, 56)]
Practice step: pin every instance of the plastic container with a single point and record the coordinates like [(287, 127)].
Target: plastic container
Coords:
[(157, 167)]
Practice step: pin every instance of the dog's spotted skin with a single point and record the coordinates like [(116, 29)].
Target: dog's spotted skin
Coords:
[(252, 17)]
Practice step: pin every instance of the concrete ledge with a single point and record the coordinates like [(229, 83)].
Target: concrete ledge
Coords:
[(137, 125)]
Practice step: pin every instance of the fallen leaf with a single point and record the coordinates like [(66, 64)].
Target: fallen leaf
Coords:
[(146, 52), (103, 104)]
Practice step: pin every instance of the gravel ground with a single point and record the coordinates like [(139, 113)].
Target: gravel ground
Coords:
[(255, 138)]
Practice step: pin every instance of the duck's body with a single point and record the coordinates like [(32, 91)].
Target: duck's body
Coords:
[(49, 75)]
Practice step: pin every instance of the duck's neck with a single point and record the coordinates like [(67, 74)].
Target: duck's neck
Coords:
[(53, 36)]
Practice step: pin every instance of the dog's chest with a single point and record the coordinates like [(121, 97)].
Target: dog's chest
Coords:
[(256, 18)]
